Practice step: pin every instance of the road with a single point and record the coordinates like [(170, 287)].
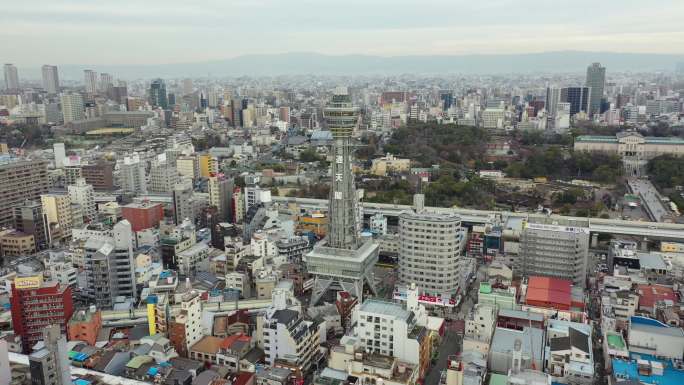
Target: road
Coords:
[(662, 231), (451, 344), (650, 198), (452, 340)]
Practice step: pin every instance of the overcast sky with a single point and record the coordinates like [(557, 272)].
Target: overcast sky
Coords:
[(35, 32)]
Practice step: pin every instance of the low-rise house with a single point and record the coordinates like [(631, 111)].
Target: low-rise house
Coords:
[(570, 357), (206, 349)]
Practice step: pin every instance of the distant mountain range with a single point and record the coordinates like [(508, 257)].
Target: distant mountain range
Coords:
[(313, 63)]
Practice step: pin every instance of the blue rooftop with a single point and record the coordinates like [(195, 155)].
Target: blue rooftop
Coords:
[(638, 320), (623, 370), (80, 381)]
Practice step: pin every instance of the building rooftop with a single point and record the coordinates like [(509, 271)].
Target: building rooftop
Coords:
[(521, 314), (504, 340), (650, 325), (385, 308), (652, 261), (650, 294), (640, 367), (615, 341), (81, 316), (549, 291), (208, 345)]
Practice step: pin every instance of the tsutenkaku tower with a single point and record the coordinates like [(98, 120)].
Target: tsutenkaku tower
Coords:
[(341, 117)]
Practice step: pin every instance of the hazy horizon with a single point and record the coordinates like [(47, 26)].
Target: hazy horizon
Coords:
[(63, 32)]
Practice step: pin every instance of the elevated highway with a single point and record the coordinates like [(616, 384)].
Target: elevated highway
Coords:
[(650, 230)]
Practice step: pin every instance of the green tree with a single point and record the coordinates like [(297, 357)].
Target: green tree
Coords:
[(309, 155)]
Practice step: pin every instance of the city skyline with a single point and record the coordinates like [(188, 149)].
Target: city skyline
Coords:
[(380, 28)]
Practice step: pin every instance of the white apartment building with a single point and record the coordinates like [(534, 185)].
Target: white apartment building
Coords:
[(390, 329), (430, 251), (255, 195), (479, 329), (132, 175), (63, 272), (239, 281), (163, 176), (378, 224), (289, 341), (493, 118), (263, 245), (82, 193), (191, 257), (110, 266), (72, 107), (190, 317), (554, 250), (57, 209)]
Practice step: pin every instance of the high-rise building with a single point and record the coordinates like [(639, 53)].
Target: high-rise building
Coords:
[(5, 373), (188, 166), (20, 180), (50, 365), (50, 79), (29, 219), (182, 202), (447, 99), (208, 165), (552, 100), (60, 154), (255, 195), (554, 251), (73, 107), (430, 252), (99, 175), (106, 82), (235, 113), (11, 77), (220, 195), (163, 177), (186, 329), (158, 97), (284, 114), (289, 340), (187, 86), (119, 93), (72, 173), (82, 193), (143, 215), (596, 81), (57, 209), (342, 261), (37, 304), (578, 97), (394, 330), (132, 175), (109, 265), (90, 81)]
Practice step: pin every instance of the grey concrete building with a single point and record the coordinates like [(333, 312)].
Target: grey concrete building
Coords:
[(109, 265), (553, 250), (430, 247), (50, 365), (596, 81), (20, 179)]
